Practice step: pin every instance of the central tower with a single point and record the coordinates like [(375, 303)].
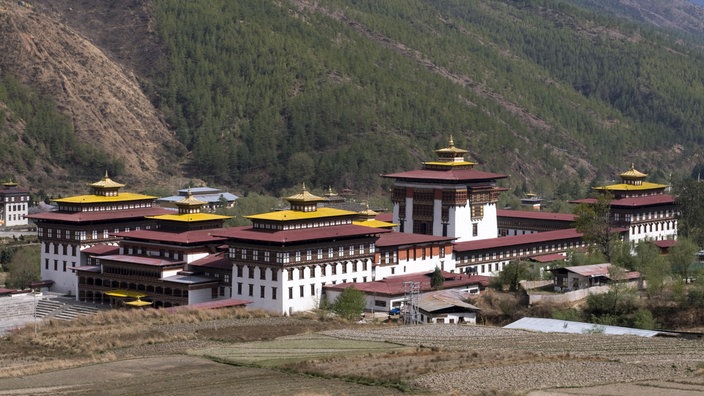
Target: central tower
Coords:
[(447, 197)]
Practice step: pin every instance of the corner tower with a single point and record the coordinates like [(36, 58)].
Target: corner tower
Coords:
[(447, 197)]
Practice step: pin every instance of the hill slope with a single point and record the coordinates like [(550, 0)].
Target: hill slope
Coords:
[(102, 99), (267, 94)]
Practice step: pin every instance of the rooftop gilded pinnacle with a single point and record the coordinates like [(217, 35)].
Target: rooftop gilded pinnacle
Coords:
[(304, 197), (106, 182)]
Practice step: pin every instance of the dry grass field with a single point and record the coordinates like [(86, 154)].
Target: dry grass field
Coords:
[(250, 353)]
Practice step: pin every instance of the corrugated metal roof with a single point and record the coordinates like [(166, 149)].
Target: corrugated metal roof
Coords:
[(545, 325), (443, 299)]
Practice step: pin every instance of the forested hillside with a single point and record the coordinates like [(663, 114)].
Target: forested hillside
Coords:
[(263, 95), (268, 94)]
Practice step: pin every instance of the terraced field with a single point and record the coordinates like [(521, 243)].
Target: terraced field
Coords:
[(302, 356)]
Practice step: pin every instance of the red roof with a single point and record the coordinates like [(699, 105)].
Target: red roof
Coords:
[(451, 175), (535, 215), (387, 217), (195, 236), (644, 201), (394, 285), (538, 237), (402, 238), (665, 243), (152, 261), (216, 260), (79, 217), (100, 250), (649, 200), (248, 233)]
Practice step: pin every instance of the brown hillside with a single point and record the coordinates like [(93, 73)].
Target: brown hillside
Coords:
[(101, 96)]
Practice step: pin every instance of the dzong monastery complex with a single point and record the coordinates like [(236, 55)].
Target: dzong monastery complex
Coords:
[(114, 247)]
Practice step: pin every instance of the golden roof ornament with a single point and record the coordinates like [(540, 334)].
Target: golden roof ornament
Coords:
[(304, 196), (106, 182)]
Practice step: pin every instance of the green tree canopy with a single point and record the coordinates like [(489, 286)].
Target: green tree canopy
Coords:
[(24, 267), (594, 221), (350, 303), (437, 279)]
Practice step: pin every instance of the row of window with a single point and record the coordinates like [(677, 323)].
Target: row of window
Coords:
[(660, 214), (56, 265), (105, 208), (519, 252), (20, 198), (162, 253), (303, 272), (309, 254), (80, 235), (16, 208), (660, 226), (298, 226), (303, 290), (63, 247), (147, 289)]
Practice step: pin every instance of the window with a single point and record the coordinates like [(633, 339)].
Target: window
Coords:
[(262, 273), (312, 290), (290, 274), (274, 275), (273, 293), (239, 271), (290, 293), (320, 254), (322, 269), (475, 229), (250, 272), (301, 290), (301, 274), (266, 256), (261, 291), (251, 290)]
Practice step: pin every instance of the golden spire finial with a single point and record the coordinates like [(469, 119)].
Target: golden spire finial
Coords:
[(452, 141), (304, 186), (106, 174)]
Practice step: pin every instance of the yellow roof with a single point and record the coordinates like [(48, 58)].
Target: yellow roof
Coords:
[(125, 293), (631, 187), (190, 217), (374, 223), (458, 163), (289, 215), (121, 197)]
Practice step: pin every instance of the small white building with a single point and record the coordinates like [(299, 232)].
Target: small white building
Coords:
[(447, 307), (14, 204)]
